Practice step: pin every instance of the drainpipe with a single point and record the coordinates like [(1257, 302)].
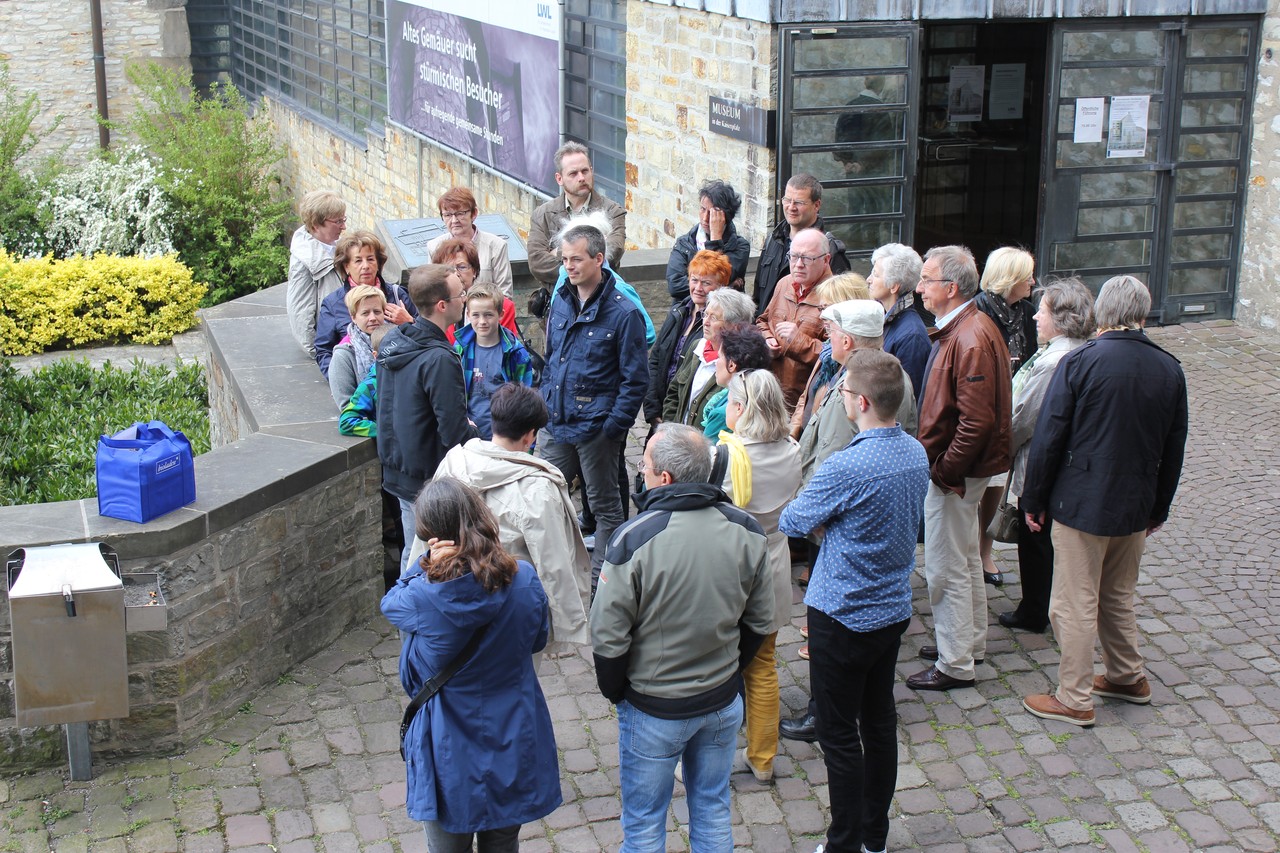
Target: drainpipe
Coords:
[(100, 73)]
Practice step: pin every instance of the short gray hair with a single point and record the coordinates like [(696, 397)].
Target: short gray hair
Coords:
[(1123, 303), (1070, 306), (681, 451), (764, 411), (901, 266), (956, 264), (735, 305), (567, 149)]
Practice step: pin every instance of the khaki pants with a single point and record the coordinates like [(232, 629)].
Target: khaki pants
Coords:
[(953, 569), (760, 680), (1094, 581)]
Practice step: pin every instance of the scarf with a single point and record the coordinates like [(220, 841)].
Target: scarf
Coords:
[(827, 366), (362, 347), (904, 302), (1010, 324), (739, 468), (709, 352)]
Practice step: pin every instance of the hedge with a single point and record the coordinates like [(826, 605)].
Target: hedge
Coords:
[(47, 303)]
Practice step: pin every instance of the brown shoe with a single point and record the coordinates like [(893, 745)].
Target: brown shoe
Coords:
[(935, 679), (1047, 707), (1139, 693)]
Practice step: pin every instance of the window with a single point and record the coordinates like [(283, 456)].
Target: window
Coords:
[(595, 88)]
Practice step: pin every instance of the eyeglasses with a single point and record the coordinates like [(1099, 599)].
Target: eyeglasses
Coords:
[(462, 295), (804, 260), (924, 280), (455, 214), (844, 390), (339, 220), (462, 267), (795, 202)]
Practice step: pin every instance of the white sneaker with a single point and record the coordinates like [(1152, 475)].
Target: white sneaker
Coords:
[(680, 771)]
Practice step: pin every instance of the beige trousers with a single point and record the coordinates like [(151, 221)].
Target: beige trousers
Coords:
[(1094, 581), (953, 570)]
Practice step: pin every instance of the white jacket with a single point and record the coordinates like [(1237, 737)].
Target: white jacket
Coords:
[(537, 522), (311, 278)]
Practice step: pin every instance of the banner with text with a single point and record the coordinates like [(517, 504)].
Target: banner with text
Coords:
[(481, 77)]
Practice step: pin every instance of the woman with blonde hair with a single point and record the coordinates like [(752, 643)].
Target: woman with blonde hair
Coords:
[(762, 477), (1006, 284), (358, 260)]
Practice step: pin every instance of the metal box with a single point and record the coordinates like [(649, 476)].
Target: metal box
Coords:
[(66, 610)]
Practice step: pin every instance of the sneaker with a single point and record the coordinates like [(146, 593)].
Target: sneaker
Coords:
[(1139, 693), (804, 630), (590, 541), (680, 772), (1047, 707), (804, 652), (741, 764)]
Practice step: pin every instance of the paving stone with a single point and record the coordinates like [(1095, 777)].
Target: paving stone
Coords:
[(247, 831)]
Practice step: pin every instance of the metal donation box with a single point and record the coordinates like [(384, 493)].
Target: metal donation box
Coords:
[(66, 609)]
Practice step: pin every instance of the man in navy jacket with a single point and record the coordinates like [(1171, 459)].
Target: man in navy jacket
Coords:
[(595, 379), (1104, 464)]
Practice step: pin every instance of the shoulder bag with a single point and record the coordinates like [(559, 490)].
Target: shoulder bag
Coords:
[(435, 682)]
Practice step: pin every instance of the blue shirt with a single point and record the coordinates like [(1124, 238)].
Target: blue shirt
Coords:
[(486, 377), (870, 498)]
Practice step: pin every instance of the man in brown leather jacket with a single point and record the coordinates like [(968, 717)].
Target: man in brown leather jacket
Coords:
[(965, 408)]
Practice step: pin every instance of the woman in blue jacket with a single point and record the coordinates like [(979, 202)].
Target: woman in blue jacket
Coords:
[(481, 754)]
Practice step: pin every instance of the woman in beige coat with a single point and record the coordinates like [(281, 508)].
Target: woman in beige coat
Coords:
[(762, 477)]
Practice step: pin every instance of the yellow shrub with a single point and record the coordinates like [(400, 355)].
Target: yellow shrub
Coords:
[(104, 299)]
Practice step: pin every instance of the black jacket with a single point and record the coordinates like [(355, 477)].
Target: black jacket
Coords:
[(734, 245), (422, 405), (773, 266), (1107, 449), (663, 354)]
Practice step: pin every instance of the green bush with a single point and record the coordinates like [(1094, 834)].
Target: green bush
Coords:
[(46, 303), (50, 421), (21, 184), (216, 165)]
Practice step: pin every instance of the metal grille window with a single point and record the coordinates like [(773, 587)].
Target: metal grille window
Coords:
[(595, 88), (210, 25), (326, 57)]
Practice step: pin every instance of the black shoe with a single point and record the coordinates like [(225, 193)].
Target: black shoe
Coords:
[(801, 728), (934, 679), (931, 653), (993, 578), (1019, 623), (586, 529)]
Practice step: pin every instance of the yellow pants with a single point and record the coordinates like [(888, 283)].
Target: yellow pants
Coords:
[(762, 709)]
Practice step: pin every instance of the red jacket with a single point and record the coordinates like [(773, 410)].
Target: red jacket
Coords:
[(967, 402)]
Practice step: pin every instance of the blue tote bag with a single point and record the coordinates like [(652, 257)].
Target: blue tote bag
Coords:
[(144, 472)]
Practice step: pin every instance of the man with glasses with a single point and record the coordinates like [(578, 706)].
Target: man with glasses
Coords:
[(868, 498), (791, 323), (577, 196), (965, 411), (801, 203), (422, 400), (595, 378)]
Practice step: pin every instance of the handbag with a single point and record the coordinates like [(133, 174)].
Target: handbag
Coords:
[(435, 682), (143, 472), (1004, 524)]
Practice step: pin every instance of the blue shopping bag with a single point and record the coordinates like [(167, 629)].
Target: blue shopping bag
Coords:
[(144, 472)]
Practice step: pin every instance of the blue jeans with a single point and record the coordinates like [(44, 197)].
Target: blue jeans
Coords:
[(648, 749), (406, 519)]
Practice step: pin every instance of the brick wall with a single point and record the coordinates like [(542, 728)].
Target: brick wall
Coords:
[(1258, 297), (676, 59), (49, 48)]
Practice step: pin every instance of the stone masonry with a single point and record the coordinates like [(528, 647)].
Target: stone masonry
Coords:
[(1258, 300)]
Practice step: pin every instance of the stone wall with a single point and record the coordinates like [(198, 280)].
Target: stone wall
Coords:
[(676, 59), (49, 48), (1258, 299)]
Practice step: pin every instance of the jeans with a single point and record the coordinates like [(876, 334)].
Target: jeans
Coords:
[(406, 519), (953, 570), (596, 460), (648, 749), (506, 840), (852, 675)]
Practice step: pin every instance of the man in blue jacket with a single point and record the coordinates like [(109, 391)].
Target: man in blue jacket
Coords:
[(1104, 464), (596, 375), (422, 401)]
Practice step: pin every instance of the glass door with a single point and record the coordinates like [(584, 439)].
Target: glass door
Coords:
[(847, 116), (1150, 180)]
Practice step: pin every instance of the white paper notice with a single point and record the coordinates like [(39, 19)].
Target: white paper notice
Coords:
[(1127, 126), (1007, 82), (964, 93), (1089, 119)]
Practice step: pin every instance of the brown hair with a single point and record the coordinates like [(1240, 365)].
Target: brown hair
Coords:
[(445, 251), (709, 264), (353, 240), (480, 290), (318, 206), (457, 198), (877, 376), (429, 284), (450, 509)]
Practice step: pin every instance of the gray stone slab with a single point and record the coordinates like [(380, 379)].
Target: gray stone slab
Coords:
[(251, 342), (163, 535), (42, 524), (358, 449), (285, 394)]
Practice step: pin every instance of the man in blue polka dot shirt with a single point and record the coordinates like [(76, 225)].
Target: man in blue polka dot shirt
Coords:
[(868, 499)]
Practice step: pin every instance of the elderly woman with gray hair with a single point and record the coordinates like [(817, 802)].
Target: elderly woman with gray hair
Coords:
[(1063, 322), (695, 379)]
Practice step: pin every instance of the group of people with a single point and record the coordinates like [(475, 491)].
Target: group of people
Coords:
[(819, 420)]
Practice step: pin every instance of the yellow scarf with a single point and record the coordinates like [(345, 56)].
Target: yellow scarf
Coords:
[(739, 468)]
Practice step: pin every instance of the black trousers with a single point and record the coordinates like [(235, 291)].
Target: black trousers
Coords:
[(1035, 570)]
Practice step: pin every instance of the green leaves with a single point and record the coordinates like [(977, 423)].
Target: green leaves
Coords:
[(50, 421)]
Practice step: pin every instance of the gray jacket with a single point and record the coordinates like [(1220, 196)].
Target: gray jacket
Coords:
[(829, 429), (311, 278), (549, 218)]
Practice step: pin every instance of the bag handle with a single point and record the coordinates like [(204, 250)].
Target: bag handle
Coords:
[(435, 682)]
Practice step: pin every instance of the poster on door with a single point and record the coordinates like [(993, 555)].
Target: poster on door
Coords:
[(964, 93), (480, 77), (1127, 126)]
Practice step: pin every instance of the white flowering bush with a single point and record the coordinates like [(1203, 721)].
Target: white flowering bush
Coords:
[(114, 206)]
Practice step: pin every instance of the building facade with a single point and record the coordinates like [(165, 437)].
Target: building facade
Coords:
[(1107, 136)]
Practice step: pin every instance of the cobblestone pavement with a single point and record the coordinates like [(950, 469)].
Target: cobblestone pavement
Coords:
[(311, 763)]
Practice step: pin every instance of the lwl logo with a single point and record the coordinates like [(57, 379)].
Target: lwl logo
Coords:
[(167, 464), (544, 10)]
